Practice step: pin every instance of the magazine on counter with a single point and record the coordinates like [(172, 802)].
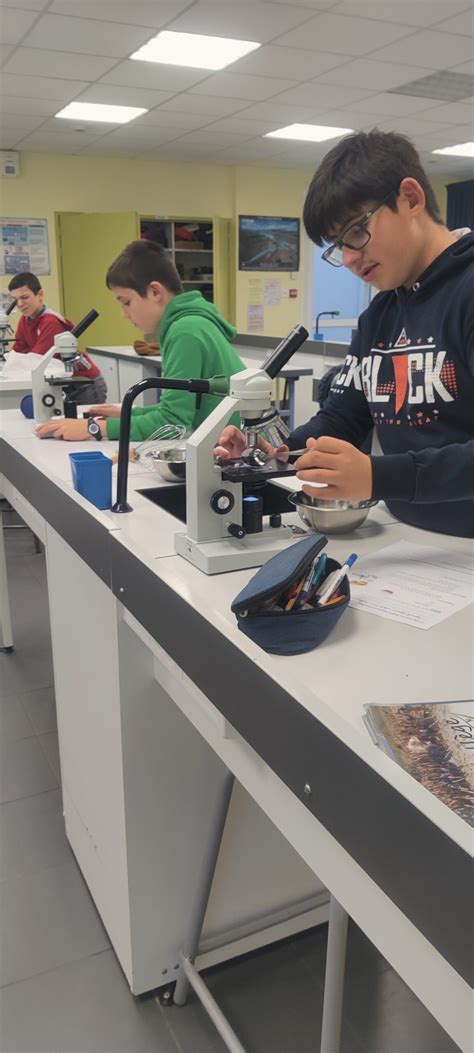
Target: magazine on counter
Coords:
[(434, 742)]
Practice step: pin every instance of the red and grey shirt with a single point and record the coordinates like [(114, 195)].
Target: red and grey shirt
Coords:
[(37, 334)]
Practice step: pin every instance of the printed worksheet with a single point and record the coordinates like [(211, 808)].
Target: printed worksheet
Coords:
[(419, 585)]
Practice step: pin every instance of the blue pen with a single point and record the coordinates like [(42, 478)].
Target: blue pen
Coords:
[(333, 580)]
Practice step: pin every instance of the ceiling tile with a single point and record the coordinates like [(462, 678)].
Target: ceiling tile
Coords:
[(317, 93), (180, 122), (407, 12), (187, 150), (43, 63), (50, 143), (145, 137), (114, 95), (203, 104), (387, 103), (411, 126), (5, 51), (85, 36), (293, 63), (62, 127), (26, 5), (40, 87), (274, 110), (15, 23), (210, 138), (153, 13), (9, 139), (465, 67), (378, 76), (344, 35), (153, 75), (462, 24), (244, 127), (246, 20), (21, 122), (239, 87), (14, 104), (453, 112), (441, 50)]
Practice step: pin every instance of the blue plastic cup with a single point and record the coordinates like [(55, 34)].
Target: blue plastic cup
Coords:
[(92, 477)]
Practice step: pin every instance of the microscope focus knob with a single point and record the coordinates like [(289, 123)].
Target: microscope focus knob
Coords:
[(222, 502), (48, 400), (236, 530)]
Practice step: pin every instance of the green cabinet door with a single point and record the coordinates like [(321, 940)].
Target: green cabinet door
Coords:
[(87, 244)]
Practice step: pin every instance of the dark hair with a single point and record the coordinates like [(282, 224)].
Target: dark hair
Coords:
[(139, 264), (25, 278), (362, 168)]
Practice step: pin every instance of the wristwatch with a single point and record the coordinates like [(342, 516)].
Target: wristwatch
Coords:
[(93, 427)]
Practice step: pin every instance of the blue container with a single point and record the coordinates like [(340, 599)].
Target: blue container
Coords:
[(26, 406), (92, 477)]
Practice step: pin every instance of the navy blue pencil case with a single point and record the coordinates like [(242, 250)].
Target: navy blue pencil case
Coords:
[(295, 631)]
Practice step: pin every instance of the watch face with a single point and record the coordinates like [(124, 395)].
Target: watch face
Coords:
[(93, 427)]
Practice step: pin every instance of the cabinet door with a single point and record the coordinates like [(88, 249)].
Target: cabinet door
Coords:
[(109, 369), (88, 243)]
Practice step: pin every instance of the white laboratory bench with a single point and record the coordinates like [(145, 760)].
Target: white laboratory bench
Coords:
[(170, 696), (12, 391)]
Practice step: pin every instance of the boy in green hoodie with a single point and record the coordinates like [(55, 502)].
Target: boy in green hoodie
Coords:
[(193, 338)]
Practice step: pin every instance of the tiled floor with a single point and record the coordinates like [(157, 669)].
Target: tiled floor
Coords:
[(62, 990)]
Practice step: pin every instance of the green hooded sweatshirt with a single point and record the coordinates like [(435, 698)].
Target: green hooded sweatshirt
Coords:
[(194, 342)]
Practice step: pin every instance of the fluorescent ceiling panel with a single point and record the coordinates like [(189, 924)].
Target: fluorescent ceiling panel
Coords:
[(310, 133), (194, 50), (461, 150), (445, 85), (95, 111)]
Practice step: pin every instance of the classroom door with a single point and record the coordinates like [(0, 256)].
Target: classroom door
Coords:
[(88, 242)]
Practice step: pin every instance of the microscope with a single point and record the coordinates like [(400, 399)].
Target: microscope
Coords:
[(6, 332), (228, 500), (50, 393)]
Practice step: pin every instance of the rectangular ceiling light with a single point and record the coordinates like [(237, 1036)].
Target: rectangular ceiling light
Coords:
[(310, 133), (462, 150), (193, 49), (96, 111)]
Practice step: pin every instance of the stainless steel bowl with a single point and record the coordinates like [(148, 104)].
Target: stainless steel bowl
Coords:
[(170, 463), (330, 517)]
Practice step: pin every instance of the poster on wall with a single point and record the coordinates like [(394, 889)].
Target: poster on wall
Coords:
[(24, 246), (269, 243)]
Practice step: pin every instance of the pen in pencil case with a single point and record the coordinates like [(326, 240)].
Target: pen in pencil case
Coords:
[(332, 582), (313, 578)]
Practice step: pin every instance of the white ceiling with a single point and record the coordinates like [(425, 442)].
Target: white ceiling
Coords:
[(331, 62)]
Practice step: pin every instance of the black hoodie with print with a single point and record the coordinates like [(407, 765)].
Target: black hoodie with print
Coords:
[(410, 372)]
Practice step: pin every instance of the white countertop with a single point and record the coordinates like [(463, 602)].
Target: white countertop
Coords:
[(365, 659), (251, 357)]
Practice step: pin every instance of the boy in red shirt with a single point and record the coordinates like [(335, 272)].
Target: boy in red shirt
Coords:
[(37, 329)]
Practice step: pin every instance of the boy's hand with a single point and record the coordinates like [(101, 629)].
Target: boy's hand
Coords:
[(72, 430), (346, 471), (232, 444), (107, 409)]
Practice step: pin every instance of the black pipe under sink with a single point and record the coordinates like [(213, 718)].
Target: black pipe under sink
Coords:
[(173, 498)]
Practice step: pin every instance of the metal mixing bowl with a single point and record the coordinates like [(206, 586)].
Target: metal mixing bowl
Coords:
[(330, 517), (170, 463)]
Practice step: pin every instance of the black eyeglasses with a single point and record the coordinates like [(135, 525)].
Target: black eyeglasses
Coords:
[(355, 236)]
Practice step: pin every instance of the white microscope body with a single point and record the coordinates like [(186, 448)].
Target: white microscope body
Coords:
[(47, 389), (214, 509), (6, 334)]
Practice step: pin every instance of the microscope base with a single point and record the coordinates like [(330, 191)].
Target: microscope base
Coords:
[(225, 554)]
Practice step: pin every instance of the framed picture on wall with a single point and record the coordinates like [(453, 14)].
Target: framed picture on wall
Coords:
[(269, 243)]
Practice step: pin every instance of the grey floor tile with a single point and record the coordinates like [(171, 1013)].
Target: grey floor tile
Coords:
[(40, 707), (47, 919), (24, 770), (32, 835), (8, 679), (50, 745), (14, 723), (270, 999), (389, 1018), (31, 667), (361, 956), (85, 1007)]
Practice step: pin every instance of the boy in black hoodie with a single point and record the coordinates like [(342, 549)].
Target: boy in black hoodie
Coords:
[(410, 368)]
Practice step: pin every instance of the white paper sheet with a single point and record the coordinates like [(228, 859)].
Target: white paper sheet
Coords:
[(419, 585)]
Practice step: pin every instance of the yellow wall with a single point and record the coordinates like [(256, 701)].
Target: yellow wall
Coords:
[(58, 183)]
